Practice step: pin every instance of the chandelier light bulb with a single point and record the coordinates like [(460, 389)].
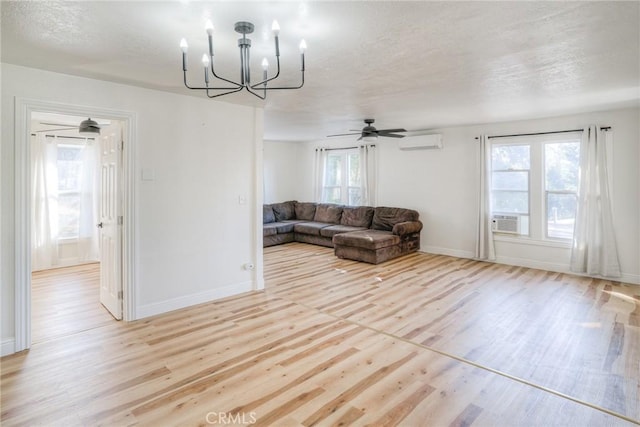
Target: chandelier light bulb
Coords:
[(205, 60), (303, 46), (275, 27), (208, 26), (265, 64), (184, 46)]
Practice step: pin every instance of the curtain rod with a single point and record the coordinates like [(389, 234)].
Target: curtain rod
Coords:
[(67, 137), (345, 148), (542, 133)]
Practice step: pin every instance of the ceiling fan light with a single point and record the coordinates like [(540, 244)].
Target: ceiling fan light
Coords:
[(89, 127), (370, 138)]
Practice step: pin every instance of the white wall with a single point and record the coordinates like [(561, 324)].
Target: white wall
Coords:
[(442, 186), (192, 234), (280, 171)]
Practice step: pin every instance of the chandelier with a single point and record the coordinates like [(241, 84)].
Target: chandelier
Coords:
[(258, 89)]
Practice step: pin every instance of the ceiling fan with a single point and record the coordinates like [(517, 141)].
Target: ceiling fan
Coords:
[(371, 132), (85, 127)]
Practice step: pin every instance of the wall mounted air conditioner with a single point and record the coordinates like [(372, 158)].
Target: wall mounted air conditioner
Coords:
[(505, 224), (421, 142)]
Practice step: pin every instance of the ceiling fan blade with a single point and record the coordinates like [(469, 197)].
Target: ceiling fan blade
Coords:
[(392, 135), (52, 130), (57, 124), (381, 131), (344, 134)]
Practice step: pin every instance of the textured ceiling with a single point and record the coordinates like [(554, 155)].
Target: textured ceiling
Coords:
[(416, 65)]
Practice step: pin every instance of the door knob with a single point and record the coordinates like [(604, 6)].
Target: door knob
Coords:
[(99, 225)]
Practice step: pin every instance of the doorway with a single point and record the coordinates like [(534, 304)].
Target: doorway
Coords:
[(24, 110), (67, 204)]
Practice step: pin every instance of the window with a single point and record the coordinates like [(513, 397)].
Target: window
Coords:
[(561, 161), (510, 170), (535, 178), (343, 178), (69, 165)]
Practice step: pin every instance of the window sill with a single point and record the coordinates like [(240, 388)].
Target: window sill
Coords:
[(533, 242)]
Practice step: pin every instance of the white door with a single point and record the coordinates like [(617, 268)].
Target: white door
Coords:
[(111, 219)]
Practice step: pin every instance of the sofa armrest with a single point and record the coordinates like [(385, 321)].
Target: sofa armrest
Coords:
[(403, 228)]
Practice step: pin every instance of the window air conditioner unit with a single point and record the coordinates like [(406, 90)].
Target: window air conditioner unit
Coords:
[(505, 224), (421, 142)]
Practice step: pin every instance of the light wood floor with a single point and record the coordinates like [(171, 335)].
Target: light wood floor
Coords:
[(423, 340), (66, 301)]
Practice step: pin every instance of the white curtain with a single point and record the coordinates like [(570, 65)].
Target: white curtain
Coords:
[(44, 199), (594, 249), (368, 169), (88, 249), (45, 251), (319, 171), (485, 247)]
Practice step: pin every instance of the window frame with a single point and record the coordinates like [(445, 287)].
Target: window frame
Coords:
[(528, 191), (344, 187), (77, 192), (546, 192), (538, 215)]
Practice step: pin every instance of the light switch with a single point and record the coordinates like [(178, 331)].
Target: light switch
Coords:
[(242, 200)]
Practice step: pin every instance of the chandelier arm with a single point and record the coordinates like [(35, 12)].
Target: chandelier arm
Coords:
[(222, 78), (224, 93), (249, 89), (209, 87), (287, 87)]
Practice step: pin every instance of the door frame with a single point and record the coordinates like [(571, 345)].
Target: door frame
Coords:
[(24, 107)]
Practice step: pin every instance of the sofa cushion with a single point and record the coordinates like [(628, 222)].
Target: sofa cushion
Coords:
[(284, 210), (367, 239), (332, 230), (312, 228), (269, 230), (328, 213), (284, 227), (305, 210), (267, 214), (385, 218), (357, 216)]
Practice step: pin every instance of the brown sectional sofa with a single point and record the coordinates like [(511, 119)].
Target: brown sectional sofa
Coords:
[(361, 233)]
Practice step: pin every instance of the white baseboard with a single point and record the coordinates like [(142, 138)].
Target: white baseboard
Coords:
[(562, 268), (633, 279), (193, 299), (7, 347), (447, 251)]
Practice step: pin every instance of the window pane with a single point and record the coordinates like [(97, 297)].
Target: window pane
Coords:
[(354, 170), (510, 201), (510, 180), (68, 215), (332, 195), (355, 196), (333, 171), (561, 215), (69, 167), (507, 157), (562, 166)]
